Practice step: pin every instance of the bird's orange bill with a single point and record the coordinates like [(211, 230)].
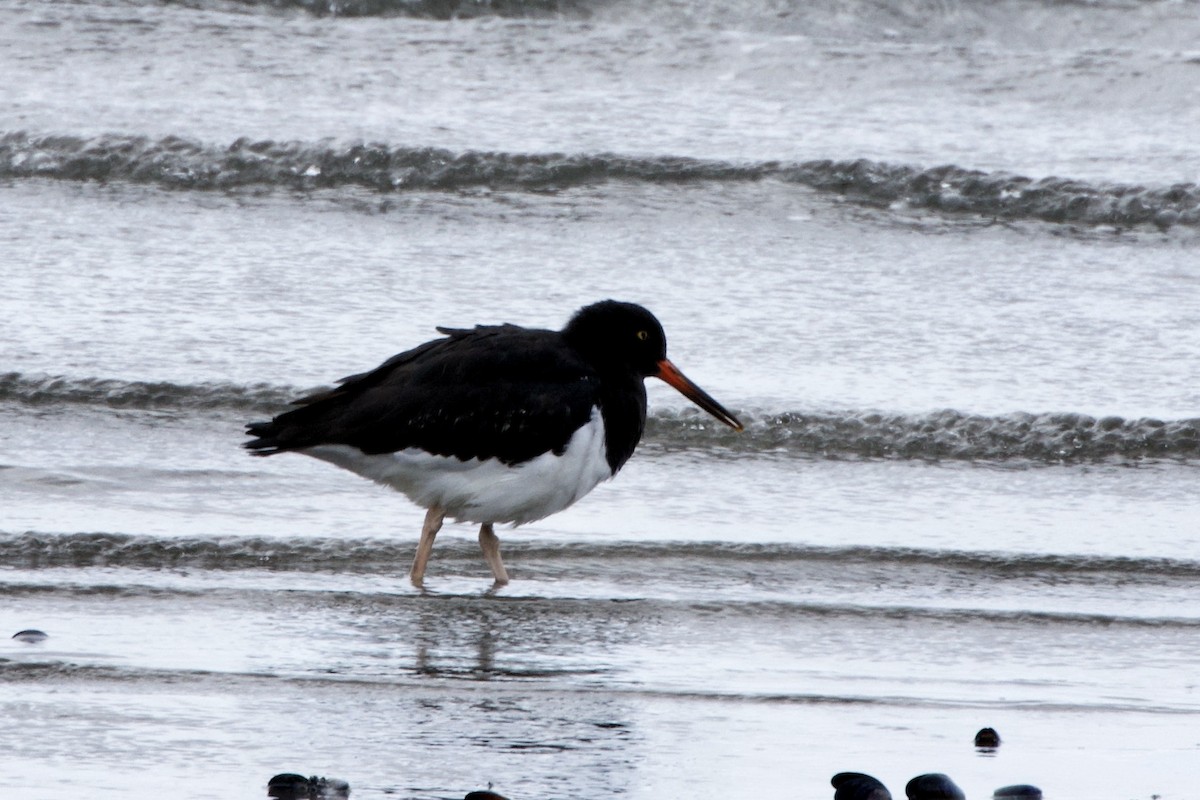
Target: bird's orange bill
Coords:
[(671, 374)]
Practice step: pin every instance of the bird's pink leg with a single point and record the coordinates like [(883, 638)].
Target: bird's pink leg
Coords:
[(491, 551), (433, 524)]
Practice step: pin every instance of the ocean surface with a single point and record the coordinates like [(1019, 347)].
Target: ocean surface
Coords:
[(941, 256)]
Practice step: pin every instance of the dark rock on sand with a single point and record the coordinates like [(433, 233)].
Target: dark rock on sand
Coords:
[(290, 786), (933, 786), (1022, 790), (987, 738), (857, 786), (30, 636)]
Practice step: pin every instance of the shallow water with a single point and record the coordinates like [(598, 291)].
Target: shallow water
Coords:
[(940, 257)]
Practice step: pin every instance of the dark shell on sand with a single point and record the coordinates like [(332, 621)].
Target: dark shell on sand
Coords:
[(934, 786), (290, 786), (857, 786), (987, 737)]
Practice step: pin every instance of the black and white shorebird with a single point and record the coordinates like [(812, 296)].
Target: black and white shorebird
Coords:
[(495, 424)]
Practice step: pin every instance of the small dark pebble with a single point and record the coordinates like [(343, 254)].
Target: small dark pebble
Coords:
[(484, 795), (857, 786), (933, 786), (290, 786), (30, 636), (1023, 790), (987, 737)]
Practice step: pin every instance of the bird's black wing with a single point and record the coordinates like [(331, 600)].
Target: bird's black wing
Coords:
[(490, 392)]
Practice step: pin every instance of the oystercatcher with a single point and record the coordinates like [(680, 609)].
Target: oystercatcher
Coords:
[(493, 424)]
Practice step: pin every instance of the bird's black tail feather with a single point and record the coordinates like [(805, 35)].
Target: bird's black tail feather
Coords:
[(298, 428), (265, 442)]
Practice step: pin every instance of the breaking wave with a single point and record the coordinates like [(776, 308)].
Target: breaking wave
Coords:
[(825, 18), (54, 390), (32, 550), (1002, 195), (430, 9), (945, 434), (177, 163)]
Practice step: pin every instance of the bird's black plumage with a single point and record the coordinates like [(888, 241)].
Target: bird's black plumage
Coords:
[(499, 391)]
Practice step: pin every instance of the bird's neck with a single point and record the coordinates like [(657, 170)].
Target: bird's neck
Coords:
[(623, 407)]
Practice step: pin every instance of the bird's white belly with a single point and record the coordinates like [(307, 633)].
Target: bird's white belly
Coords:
[(486, 491)]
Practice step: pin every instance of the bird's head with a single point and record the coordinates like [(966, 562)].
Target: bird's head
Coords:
[(624, 337)]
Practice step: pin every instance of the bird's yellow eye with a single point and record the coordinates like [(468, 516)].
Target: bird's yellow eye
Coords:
[(643, 335)]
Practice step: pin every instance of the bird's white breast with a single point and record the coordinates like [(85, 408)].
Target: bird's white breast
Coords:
[(489, 490)]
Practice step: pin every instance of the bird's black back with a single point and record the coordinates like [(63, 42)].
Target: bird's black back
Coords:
[(501, 392)]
